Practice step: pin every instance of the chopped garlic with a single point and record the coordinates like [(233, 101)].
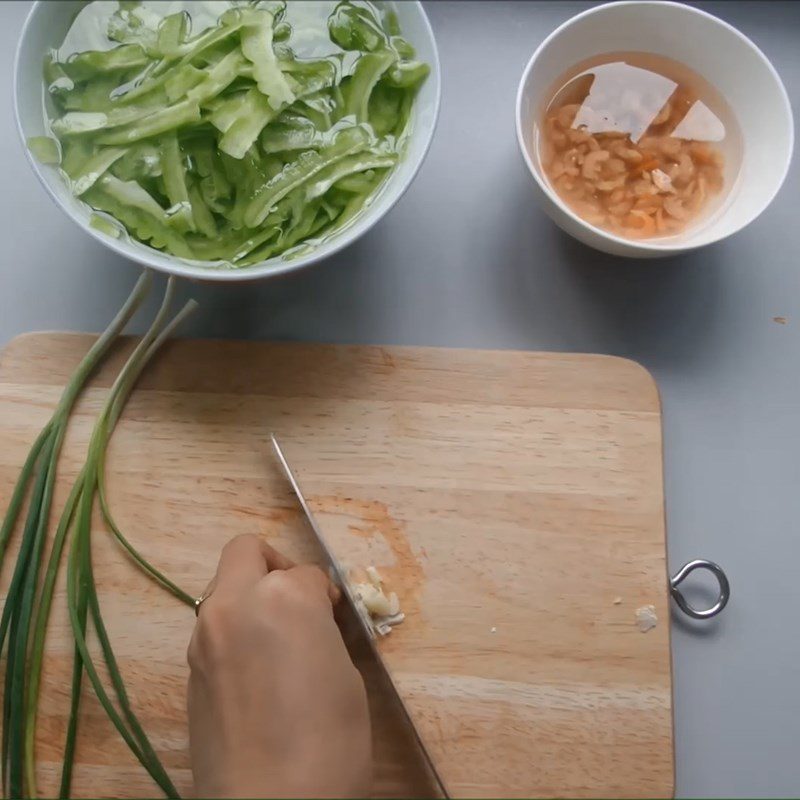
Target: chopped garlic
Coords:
[(374, 577), (646, 618), (384, 625), (374, 599), (383, 611)]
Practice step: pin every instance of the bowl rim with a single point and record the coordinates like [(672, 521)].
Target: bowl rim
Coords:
[(644, 244), (179, 268)]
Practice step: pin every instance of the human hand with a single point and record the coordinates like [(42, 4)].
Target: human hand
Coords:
[(276, 707)]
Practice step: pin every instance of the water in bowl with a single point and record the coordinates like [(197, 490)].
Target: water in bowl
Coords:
[(639, 145)]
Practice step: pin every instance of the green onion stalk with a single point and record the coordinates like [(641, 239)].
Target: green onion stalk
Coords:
[(25, 615)]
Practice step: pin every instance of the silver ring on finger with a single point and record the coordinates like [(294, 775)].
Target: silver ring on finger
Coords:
[(200, 600)]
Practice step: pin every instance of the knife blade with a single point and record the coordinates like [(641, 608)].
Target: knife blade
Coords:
[(340, 579), (335, 570)]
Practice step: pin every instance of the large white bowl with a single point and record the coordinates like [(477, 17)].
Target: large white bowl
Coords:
[(712, 48), (45, 28)]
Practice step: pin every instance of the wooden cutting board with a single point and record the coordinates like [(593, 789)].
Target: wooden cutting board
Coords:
[(513, 500)]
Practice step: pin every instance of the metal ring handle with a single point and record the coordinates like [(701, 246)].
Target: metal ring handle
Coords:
[(684, 572)]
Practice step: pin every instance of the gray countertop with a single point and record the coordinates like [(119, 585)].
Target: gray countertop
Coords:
[(467, 259)]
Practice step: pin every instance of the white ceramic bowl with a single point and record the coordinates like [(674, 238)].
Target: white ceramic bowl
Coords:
[(722, 55), (45, 28)]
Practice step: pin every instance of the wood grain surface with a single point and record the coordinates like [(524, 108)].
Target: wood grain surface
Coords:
[(513, 500)]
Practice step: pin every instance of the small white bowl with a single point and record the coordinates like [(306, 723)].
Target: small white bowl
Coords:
[(45, 27), (718, 52)]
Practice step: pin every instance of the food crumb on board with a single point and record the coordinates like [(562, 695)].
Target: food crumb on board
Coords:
[(779, 320), (646, 618), (616, 601), (493, 630), (381, 609)]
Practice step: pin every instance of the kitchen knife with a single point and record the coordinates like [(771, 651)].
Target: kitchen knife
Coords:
[(340, 579)]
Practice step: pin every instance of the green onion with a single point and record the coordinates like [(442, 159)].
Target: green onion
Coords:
[(27, 608)]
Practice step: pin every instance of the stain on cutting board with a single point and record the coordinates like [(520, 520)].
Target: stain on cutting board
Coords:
[(386, 546)]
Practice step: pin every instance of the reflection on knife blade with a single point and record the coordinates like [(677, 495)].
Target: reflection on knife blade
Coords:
[(359, 612)]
